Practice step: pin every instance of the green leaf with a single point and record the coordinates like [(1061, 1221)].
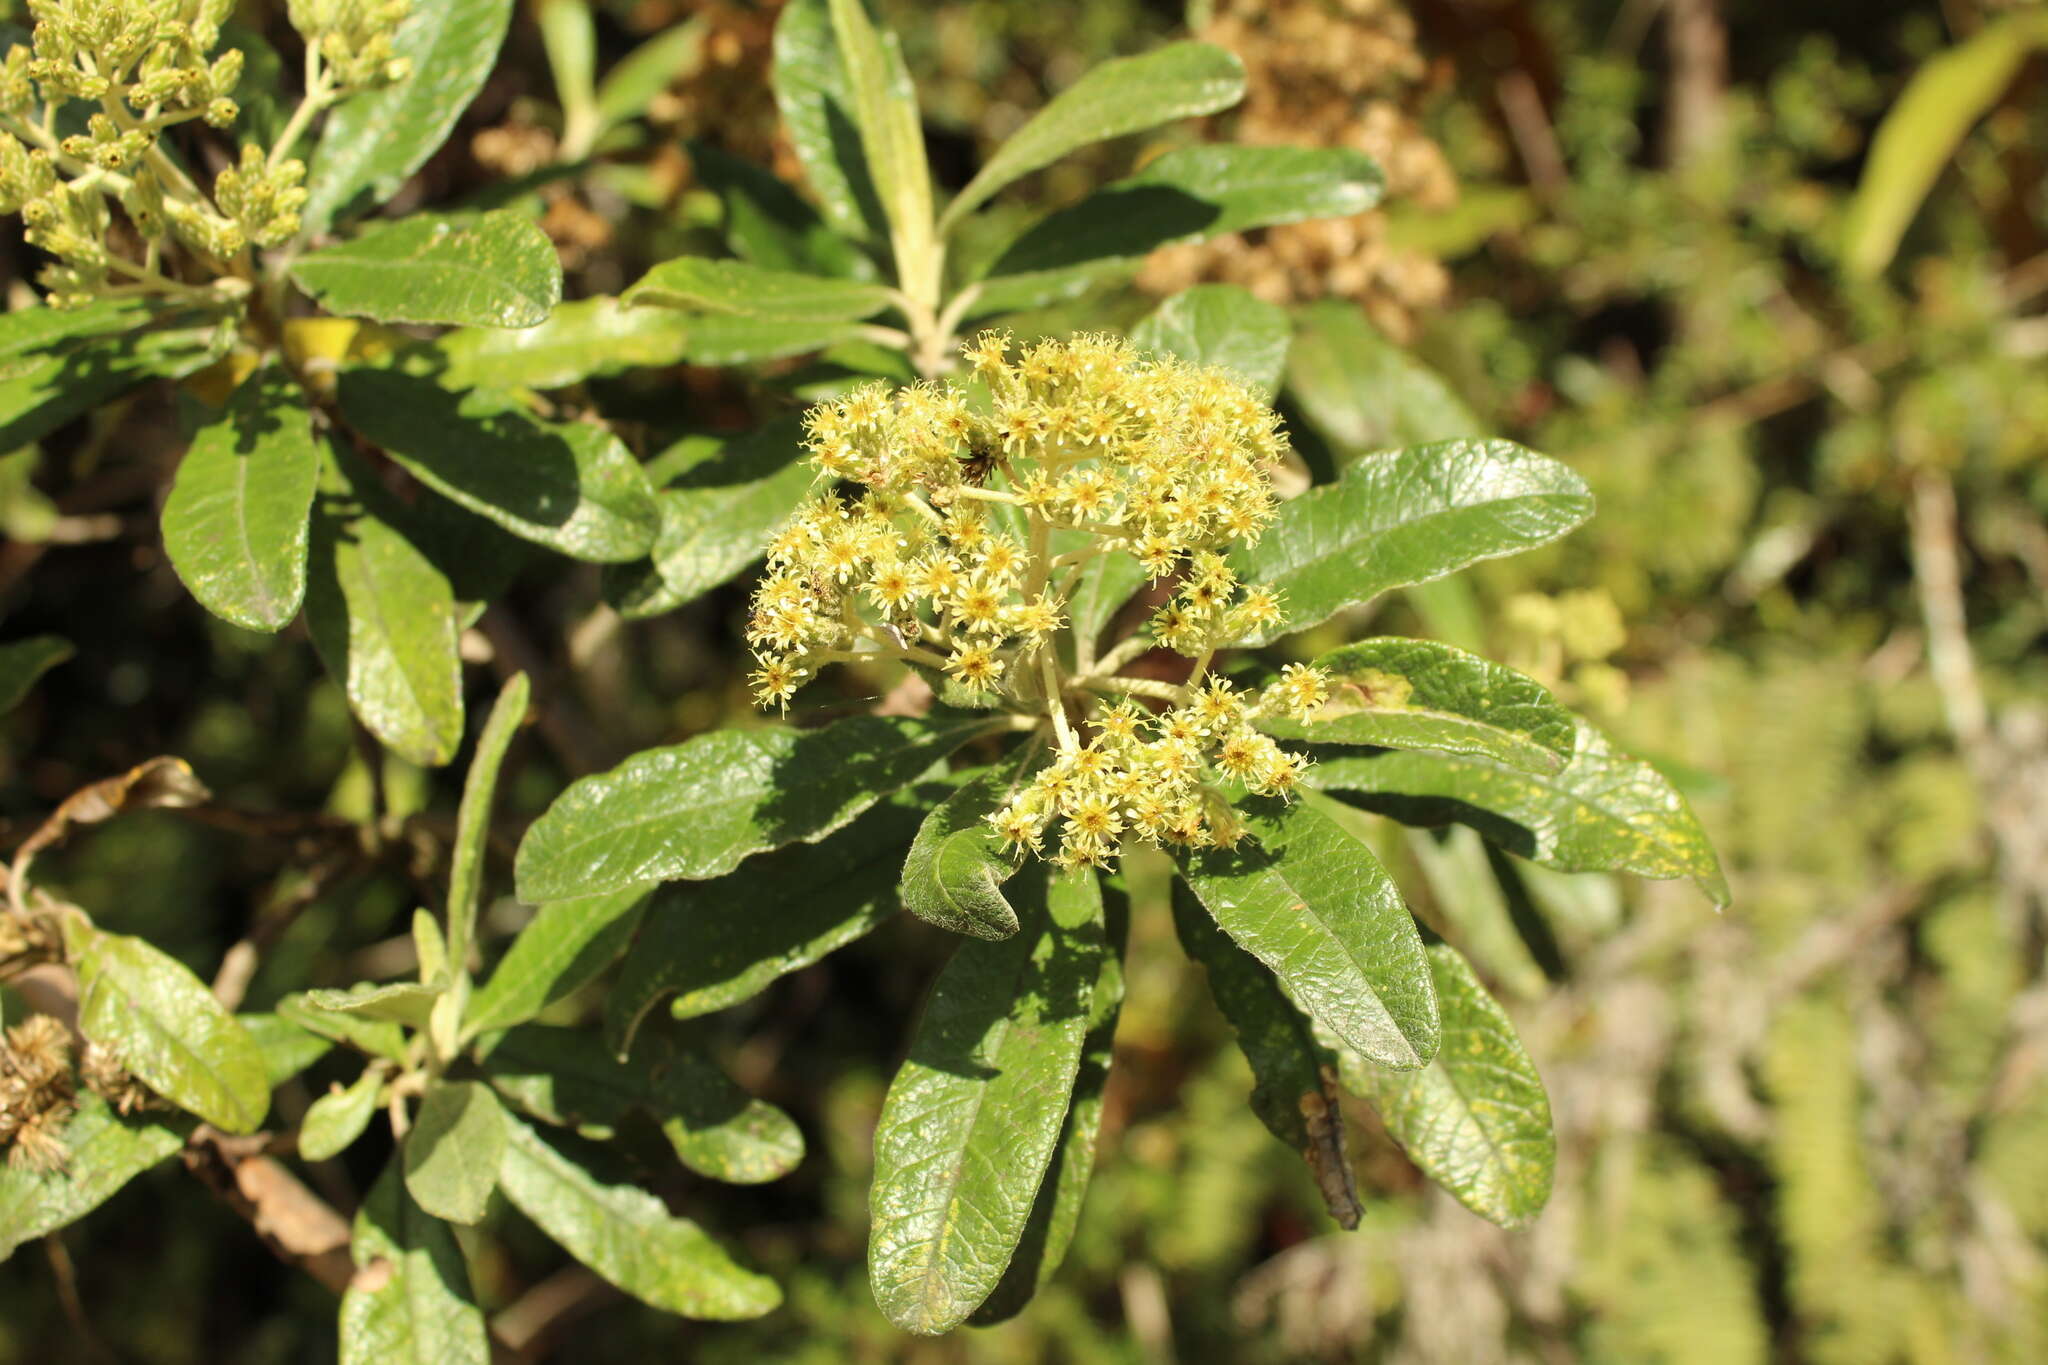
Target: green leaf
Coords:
[(1406, 517), (570, 486), (56, 365), (453, 1150), (713, 944), (1286, 1059), (717, 515), (1604, 812), (587, 338), (716, 339), (1472, 909), (694, 810), (375, 140), (955, 870), (1221, 324), (496, 269), (383, 619), (699, 284), (629, 87), (974, 1115), (1056, 1214), (1310, 901), (473, 819), (1416, 694), (1361, 392), (409, 1003), (564, 947), (105, 1152), (884, 106), (161, 1023), (235, 524), (767, 223), (23, 661), (1924, 127), (287, 1048), (338, 1118), (410, 1301), (1476, 1120), (628, 1237), (377, 1037), (1192, 194), (1181, 80), (1106, 584), (811, 91), (717, 1129)]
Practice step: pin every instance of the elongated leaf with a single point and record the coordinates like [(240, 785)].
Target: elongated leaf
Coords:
[(1193, 194), (570, 486), (1181, 80), (1306, 898), (375, 140), (566, 945), (717, 514), (714, 944), (496, 269), (23, 661), (1056, 1214), (1221, 324), (1921, 131), (628, 88), (287, 1049), (811, 91), (104, 1152), (1605, 812), (892, 138), (694, 810), (377, 1037), (974, 1115), (410, 1301), (628, 1237), (717, 1129), (699, 284), (161, 1022), (1416, 694), (954, 873), (236, 522), (578, 341), (1281, 1046), (56, 365), (719, 339), (1406, 517), (335, 1120), (1361, 392), (383, 619), (1472, 908), (767, 224), (473, 820), (409, 1003), (453, 1150), (1476, 1120)]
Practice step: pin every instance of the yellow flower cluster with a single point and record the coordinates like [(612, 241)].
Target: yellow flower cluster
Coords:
[(959, 518)]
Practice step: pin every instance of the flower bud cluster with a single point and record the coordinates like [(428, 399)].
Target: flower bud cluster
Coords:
[(960, 516), (354, 38)]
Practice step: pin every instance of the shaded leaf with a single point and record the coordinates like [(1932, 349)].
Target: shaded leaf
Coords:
[(58, 364), (495, 269), (953, 874), (699, 284), (375, 139), (694, 810), (1106, 584), (105, 1152), (235, 523), (377, 1037), (410, 1003), (1361, 392), (767, 223), (565, 946), (579, 340), (811, 92), (630, 86), (24, 661), (1405, 517), (1604, 812), (716, 339), (627, 1236), (410, 1302), (338, 1118), (1417, 694), (971, 1121), (884, 104), (1309, 900), (573, 487), (383, 619), (453, 1150), (1180, 80), (163, 1024), (1221, 324), (287, 1049), (1476, 1120), (473, 820)]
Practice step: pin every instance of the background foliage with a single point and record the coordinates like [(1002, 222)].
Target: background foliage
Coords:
[(1628, 234)]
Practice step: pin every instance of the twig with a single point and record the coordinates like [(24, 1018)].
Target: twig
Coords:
[(1937, 576), (65, 1273)]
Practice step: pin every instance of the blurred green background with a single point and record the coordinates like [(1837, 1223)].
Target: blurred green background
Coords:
[(1813, 1129)]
